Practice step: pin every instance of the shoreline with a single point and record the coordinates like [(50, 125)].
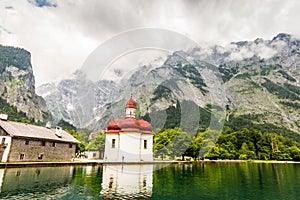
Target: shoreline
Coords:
[(79, 162)]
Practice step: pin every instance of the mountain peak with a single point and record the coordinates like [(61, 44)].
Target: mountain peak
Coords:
[(282, 36)]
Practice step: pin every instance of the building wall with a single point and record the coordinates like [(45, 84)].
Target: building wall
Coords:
[(95, 154), (130, 147), (2, 132), (34, 149), (111, 153), (147, 153), (5, 143)]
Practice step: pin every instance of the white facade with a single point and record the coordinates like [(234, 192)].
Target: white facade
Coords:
[(129, 139), (130, 112), (111, 151), (128, 147), (94, 154), (146, 147)]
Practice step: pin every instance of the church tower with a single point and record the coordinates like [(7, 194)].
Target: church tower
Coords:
[(130, 108), (129, 139)]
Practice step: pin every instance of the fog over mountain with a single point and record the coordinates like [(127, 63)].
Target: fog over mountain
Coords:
[(255, 80)]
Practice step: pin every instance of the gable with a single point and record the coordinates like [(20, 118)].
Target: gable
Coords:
[(17, 129)]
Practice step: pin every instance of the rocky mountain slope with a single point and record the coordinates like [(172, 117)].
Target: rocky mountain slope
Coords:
[(248, 83), (17, 87)]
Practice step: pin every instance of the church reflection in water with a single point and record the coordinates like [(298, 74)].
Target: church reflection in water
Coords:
[(127, 181), (77, 182)]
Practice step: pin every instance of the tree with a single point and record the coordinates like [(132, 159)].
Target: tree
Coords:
[(66, 125), (162, 139), (180, 144), (81, 146), (97, 143), (194, 148)]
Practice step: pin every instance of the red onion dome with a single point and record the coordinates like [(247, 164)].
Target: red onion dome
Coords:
[(130, 103), (113, 126), (123, 125), (145, 126), (129, 125)]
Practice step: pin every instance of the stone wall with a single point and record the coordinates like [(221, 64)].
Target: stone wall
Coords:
[(2, 132), (40, 150)]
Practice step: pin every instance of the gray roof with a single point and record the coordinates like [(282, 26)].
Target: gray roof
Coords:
[(17, 129)]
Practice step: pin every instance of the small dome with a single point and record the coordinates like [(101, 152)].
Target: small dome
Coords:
[(145, 126), (130, 103), (113, 126), (129, 124)]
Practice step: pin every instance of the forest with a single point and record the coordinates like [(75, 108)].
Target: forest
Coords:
[(244, 144)]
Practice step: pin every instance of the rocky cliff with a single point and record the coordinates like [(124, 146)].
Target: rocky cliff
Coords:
[(17, 86), (250, 84)]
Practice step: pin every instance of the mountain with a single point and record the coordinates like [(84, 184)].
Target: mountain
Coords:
[(252, 84), (76, 99), (17, 87)]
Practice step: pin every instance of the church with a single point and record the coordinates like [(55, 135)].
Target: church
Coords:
[(129, 139)]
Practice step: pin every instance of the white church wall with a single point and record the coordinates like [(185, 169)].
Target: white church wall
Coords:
[(130, 147), (111, 151), (146, 153)]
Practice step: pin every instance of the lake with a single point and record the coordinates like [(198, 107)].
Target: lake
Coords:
[(174, 181)]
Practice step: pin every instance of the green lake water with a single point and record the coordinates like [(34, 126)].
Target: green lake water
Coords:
[(176, 181)]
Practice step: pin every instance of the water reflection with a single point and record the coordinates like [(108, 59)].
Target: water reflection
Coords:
[(127, 181), (81, 182), (178, 181), (34, 182)]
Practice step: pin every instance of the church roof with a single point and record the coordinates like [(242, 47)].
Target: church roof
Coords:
[(130, 103), (129, 125), (17, 129)]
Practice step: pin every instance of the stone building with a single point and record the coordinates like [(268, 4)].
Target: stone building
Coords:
[(129, 139), (25, 142)]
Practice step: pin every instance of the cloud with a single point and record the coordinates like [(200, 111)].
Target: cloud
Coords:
[(9, 7), (261, 49), (61, 34)]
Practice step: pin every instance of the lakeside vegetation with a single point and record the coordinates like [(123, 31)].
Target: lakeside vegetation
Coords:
[(233, 145), (173, 143), (229, 144)]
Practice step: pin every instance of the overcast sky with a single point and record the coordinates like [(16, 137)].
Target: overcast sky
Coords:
[(60, 34)]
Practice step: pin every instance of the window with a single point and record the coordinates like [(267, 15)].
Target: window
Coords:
[(111, 182), (3, 141), (113, 143), (43, 143), (53, 144), (94, 155), (22, 155), (41, 156), (26, 142), (144, 182), (145, 144), (70, 145)]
